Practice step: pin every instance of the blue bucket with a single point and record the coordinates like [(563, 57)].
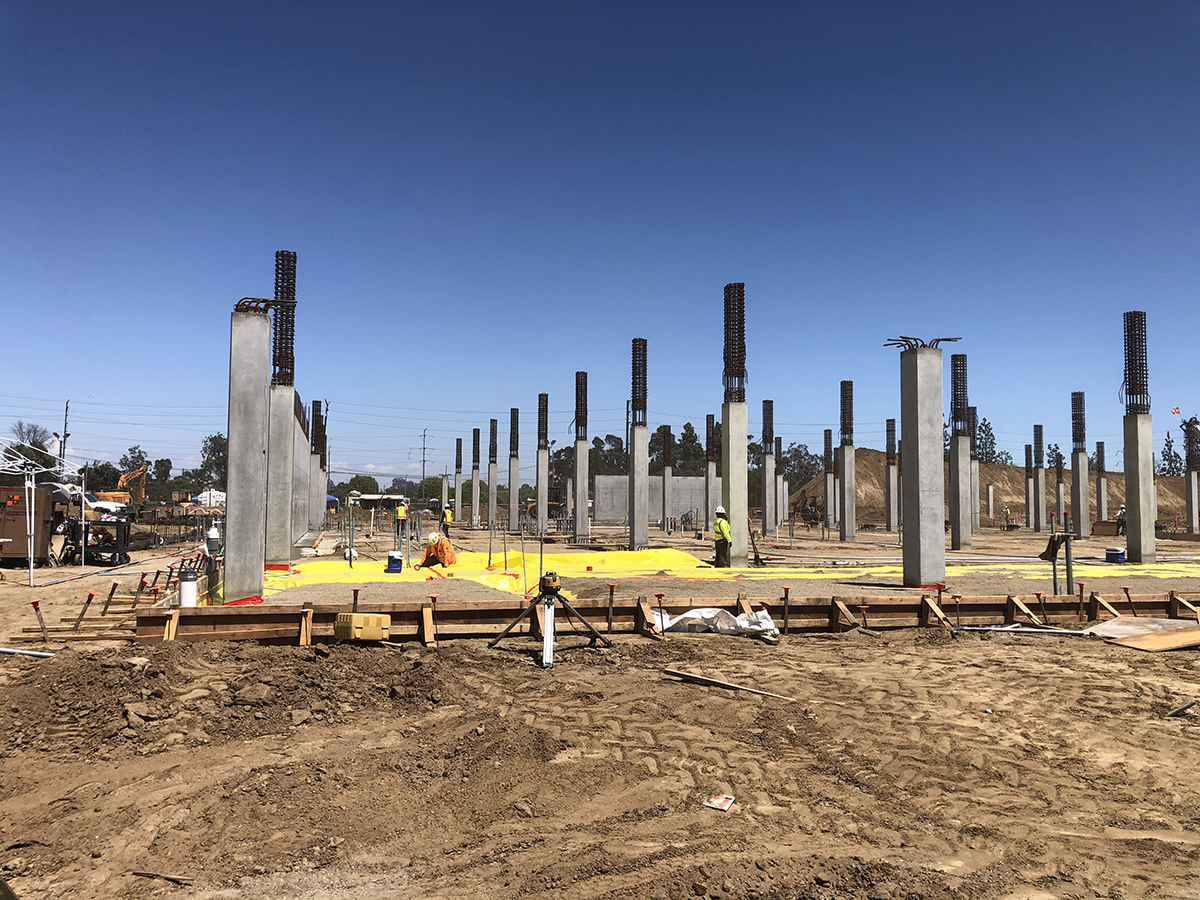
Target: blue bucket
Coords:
[(1114, 555)]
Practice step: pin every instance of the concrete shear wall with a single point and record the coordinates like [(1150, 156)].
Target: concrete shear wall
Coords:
[(610, 496)]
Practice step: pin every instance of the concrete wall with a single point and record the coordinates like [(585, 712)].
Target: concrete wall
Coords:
[(281, 447), (317, 489), (245, 511), (610, 498), (300, 476)]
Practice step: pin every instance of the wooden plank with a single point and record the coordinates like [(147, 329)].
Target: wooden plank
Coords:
[(1175, 602), (1102, 602), (1015, 604), (170, 626), (845, 613), (743, 605), (930, 604), (306, 620), (716, 682), (428, 629), (1158, 641), (646, 624)]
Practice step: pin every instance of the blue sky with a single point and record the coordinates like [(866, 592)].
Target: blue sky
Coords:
[(485, 198)]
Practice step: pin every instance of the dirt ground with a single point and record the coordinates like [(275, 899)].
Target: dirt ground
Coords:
[(911, 765)]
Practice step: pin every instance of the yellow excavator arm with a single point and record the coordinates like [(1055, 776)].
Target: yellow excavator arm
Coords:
[(140, 474)]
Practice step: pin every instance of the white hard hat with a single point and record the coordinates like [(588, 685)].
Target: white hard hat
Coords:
[(433, 539), (721, 510)]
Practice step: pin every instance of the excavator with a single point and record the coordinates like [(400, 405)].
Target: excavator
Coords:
[(122, 496)]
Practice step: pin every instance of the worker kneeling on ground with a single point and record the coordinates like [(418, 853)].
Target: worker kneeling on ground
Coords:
[(438, 552), (721, 527)]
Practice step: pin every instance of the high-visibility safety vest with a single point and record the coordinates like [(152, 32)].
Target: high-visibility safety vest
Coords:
[(721, 527), (447, 517), (401, 512)]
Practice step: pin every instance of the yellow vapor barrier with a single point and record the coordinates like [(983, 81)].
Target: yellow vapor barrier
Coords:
[(659, 564)]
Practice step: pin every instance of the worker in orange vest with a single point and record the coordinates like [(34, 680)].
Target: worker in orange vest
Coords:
[(438, 552)]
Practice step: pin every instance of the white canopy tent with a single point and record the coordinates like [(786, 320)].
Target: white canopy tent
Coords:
[(14, 461)]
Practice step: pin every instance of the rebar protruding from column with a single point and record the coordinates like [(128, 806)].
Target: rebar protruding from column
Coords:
[(320, 441), (958, 394), (514, 432), (973, 429), (475, 448), (639, 381), (1029, 460), (492, 442), (1136, 386), (734, 378), (1058, 469), (768, 428), (1039, 452), (891, 442), (1100, 469), (778, 451), (283, 325), (543, 433), (458, 454), (828, 455), (710, 438), (581, 406), (668, 445), (1191, 443), (1078, 422), (847, 425)]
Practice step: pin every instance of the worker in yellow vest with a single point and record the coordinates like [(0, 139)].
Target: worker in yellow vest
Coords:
[(402, 519), (723, 535), (447, 518)]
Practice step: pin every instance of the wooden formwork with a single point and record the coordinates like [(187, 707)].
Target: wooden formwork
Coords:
[(432, 620)]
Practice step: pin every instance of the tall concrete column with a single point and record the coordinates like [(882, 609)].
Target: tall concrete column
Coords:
[(474, 477), (639, 487), (317, 490), (445, 491), (668, 496), (570, 497), (542, 485), (974, 495), (514, 470), (710, 471), (846, 527), (923, 488), (1039, 498), (1060, 503), (891, 488), (492, 486), (837, 493), (960, 492), (787, 504), (246, 478), (768, 466), (460, 496), (1029, 501), (734, 477), (1139, 488), (1081, 514), (1102, 498), (991, 503), (781, 504), (1190, 479), (281, 442), (583, 524), (829, 498)]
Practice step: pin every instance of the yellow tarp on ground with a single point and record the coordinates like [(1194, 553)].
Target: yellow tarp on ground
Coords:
[(521, 576)]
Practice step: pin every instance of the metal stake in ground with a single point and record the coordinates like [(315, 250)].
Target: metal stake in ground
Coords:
[(37, 608)]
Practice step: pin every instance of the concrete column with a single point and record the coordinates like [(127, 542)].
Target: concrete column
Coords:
[(514, 494), (474, 496), (1139, 489), (734, 477), (960, 492), (281, 442), (846, 528), (830, 501), (492, 485), (1101, 497), (837, 498), (974, 496), (1039, 498), (639, 487), (1029, 502), (668, 495), (460, 498), (445, 491), (570, 496), (786, 514), (317, 488), (991, 503), (583, 525), (543, 490), (923, 486), (710, 493), (1189, 501), (1081, 513), (1060, 504), (781, 505), (768, 493), (891, 486), (246, 479)]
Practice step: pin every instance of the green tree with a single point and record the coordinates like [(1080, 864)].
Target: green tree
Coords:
[(690, 452), (214, 461), (1171, 462), (609, 456), (562, 466), (428, 487), (985, 442), (364, 484), (798, 466), (134, 458), (35, 439), (102, 476), (162, 470)]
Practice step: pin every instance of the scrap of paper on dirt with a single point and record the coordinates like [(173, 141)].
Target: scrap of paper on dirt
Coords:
[(721, 802)]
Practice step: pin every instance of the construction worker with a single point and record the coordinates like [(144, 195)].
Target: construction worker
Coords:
[(447, 518), (1007, 517), (402, 519), (1122, 528), (721, 527), (438, 552)]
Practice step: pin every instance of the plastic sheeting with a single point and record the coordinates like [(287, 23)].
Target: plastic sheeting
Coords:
[(719, 620)]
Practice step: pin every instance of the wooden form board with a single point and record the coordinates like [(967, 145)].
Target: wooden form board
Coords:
[(1158, 641)]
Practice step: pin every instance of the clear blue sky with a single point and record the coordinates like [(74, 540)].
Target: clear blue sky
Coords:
[(486, 197)]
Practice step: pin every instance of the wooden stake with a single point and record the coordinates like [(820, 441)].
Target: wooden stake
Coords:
[(716, 682)]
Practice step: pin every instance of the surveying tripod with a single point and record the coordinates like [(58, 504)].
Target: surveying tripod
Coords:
[(548, 593)]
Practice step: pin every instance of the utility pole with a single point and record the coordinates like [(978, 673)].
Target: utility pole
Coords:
[(423, 433), (62, 443)]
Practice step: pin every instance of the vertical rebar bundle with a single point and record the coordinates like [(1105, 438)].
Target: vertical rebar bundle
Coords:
[(1029, 460), (778, 452), (958, 394), (828, 455), (283, 325), (543, 421), (1100, 457), (1078, 422), (668, 445), (475, 448), (1039, 454), (514, 432), (710, 438), (1137, 371), (734, 378), (492, 442), (581, 406), (318, 432), (768, 425), (890, 447), (639, 381), (1191, 443), (973, 428), (458, 454), (847, 424), (1058, 469)]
